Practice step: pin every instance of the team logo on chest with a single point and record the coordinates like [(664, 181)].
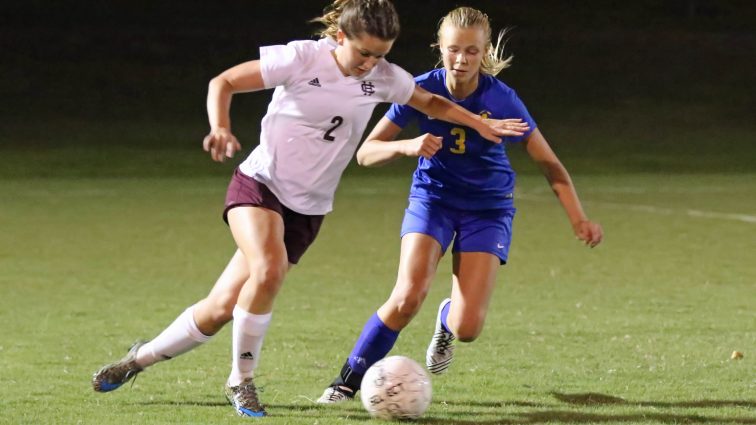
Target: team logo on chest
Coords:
[(368, 88)]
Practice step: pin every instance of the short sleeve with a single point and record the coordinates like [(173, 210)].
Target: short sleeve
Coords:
[(518, 110), (279, 63), (401, 115), (402, 87)]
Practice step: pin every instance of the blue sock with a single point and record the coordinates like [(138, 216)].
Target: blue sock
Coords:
[(444, 315), (375, 341)]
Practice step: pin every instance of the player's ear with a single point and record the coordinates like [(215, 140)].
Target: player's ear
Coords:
[(340, 36)]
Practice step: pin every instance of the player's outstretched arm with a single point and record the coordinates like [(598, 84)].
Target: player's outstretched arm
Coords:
[(539, 150), (441, 108), (380, 148), (245, 77)]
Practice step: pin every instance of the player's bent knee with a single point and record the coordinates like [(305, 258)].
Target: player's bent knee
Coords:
[(269, 277)]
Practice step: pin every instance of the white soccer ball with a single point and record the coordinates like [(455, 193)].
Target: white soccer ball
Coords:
[(396, 388)]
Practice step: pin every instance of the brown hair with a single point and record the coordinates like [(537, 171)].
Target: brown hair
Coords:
[(467, 17), (377, 18)]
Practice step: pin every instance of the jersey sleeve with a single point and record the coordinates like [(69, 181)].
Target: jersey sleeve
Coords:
[(402, 87), (518, 110), (279, 63), (401, 115)]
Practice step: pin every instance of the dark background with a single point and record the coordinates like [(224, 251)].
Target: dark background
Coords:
[(651, 86)]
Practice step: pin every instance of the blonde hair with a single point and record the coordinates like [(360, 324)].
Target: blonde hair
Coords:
[(466, 17), (377, 18)]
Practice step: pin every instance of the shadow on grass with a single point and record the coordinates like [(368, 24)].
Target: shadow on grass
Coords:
[(475, 416), (181, 403), (553, 416), (557, 416), (355, 410), (492, 404), (472, 416), (591, 399)]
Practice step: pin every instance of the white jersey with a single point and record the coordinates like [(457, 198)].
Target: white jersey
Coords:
[(315, 121)]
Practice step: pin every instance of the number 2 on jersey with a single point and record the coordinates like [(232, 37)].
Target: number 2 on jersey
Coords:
[(337, 121), (460, 142)]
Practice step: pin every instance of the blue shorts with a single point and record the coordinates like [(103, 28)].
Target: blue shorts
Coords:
[(473, 231)]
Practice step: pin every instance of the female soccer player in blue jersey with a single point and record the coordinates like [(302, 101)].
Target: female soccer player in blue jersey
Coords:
[(462, 191)]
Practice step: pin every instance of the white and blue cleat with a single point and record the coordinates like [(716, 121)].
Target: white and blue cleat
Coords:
[(112, 376), (243, 399), (440, 352)]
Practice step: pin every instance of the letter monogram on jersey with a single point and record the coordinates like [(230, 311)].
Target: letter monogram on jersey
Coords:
[(368, 88)]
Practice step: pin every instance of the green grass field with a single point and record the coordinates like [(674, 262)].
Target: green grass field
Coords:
[(110, 219), (636, 331)]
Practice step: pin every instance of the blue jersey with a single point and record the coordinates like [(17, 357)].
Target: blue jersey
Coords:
[(468, 172)]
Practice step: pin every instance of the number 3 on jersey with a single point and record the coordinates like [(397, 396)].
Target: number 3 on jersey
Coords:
[(336, 121), (460, 142)]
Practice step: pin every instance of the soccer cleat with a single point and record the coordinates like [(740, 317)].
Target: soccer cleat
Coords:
[(336, 394), (441, 349), (112, 376), (243, 398)]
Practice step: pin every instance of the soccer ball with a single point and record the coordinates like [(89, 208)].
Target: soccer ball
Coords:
[(396, 388)]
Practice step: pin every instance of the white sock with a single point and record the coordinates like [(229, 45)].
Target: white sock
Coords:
[(248, 334), (179, 337)]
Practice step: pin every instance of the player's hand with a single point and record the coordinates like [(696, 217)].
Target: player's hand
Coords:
[(589, 232), (507, 127), (221, 144), (426, 146)]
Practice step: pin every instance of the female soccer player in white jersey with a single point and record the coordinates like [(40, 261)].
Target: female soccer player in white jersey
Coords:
[(325, 92), (462, 190)]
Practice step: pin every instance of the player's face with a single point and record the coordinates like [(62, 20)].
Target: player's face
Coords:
[(357, 56), (462, 51)]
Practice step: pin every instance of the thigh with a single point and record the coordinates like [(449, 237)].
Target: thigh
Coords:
[(299, 230), (418, 259), (428, 219), (259, 234)]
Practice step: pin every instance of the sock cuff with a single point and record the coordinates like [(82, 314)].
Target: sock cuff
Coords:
[(252, 324), (381, 327), (445, 317), (191, 326)]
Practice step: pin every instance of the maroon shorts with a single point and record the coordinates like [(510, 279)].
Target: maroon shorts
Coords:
[(299, 229)]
